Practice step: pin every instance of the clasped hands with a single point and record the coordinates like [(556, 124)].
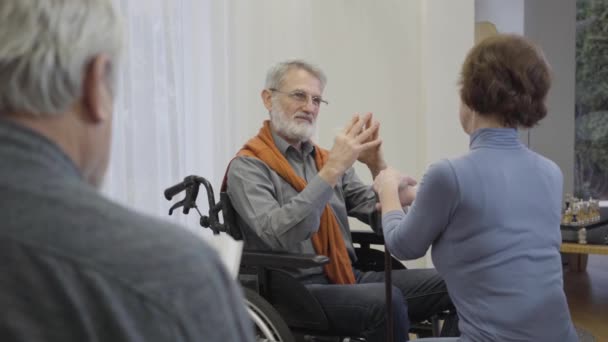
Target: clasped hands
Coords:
[(395, 190), (360, 140)]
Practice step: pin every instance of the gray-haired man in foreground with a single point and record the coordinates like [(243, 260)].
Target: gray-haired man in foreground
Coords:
[(74, 265)]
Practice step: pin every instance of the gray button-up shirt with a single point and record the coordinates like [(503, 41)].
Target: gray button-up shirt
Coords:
[(78, 267), (274, 216)]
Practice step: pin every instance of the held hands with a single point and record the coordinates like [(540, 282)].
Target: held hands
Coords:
[(359, 136), (394, 189), (407, 190)]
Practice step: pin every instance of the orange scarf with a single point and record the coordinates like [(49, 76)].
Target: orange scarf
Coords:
[(328, 240)]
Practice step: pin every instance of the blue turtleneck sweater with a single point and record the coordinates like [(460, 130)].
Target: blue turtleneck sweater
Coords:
[(492, 217)]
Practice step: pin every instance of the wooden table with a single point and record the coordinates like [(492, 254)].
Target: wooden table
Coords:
[(578, 253)]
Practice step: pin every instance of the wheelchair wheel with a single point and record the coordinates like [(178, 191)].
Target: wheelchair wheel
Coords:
[(269, 325)]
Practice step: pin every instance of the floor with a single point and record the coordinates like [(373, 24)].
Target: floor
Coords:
[(587, 294)]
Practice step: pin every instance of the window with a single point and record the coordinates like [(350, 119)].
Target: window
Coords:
[(591, 112)]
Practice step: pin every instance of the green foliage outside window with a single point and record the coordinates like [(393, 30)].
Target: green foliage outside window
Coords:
[(591, 112)]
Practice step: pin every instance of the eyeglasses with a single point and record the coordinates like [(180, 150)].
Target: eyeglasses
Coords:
[(302, 97)]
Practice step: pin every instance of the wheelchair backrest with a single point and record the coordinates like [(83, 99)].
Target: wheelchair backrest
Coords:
[(229, 215)]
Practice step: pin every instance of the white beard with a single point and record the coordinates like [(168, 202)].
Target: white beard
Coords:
[(290, 128)]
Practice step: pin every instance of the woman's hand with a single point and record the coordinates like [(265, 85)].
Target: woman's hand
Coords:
[(407, 190), (387, 181), (386, 185), (394, 190)]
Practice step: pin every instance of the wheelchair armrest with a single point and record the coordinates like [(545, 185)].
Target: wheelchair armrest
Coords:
[(367, 238), (283, 260)]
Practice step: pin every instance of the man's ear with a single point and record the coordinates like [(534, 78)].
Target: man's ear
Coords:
[(267, 98), (96, 89)]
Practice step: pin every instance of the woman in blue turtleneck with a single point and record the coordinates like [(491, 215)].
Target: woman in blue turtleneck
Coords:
[(493, 214)]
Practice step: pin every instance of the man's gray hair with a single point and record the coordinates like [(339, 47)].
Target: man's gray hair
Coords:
[(276, 74), (45, 49)]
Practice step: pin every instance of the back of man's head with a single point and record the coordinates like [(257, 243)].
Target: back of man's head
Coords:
[(45, 49), (58, 61)]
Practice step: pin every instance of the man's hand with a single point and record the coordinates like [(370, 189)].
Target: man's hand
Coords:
[(354, 139), (373, 157)]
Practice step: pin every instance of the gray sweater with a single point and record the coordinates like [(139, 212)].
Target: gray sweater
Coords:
[(77, 267), (492, 217)]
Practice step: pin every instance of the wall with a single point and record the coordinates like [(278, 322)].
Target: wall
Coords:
[(508, 16), (447, 35), (552, 25)]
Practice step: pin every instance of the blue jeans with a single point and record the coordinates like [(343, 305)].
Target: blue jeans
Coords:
[(359, 309)]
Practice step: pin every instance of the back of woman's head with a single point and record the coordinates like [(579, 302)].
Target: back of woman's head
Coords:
[(506, 76)]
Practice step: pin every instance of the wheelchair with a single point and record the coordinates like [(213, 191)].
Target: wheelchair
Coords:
[(281, 307)]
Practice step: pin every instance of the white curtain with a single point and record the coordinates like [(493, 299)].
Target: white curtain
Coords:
[(163, 110)]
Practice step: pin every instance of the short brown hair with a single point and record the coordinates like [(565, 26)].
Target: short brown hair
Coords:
[(508, 76)]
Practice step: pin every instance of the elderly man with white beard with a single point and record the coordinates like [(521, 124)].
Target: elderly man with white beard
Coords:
[(293, 196)]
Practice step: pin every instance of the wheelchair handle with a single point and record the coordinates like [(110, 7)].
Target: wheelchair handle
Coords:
[(174, 190), (191, 185)]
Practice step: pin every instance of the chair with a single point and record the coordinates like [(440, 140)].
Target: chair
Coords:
[(280, 306)]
